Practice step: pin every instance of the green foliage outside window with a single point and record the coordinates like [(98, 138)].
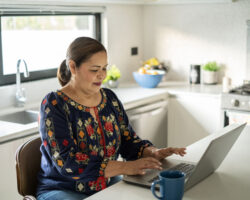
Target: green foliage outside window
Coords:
[(46, 23)]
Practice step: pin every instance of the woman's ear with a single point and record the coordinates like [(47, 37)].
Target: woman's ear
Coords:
[(72, 67)]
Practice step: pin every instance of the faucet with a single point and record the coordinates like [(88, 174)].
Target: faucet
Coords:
[(20, 92)]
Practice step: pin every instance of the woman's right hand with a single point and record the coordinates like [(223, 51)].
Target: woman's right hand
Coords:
[(138, 166)]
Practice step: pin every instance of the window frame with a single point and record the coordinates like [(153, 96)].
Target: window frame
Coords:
[(42, 74)]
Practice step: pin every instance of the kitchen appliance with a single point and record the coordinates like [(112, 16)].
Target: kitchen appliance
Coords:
[(236, 105), (194, 76), (150, 122)]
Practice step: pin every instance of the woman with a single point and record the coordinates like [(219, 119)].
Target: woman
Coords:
[(84, 129)]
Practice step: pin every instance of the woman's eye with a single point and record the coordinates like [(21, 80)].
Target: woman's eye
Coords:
[(104, 69), (94, 70)]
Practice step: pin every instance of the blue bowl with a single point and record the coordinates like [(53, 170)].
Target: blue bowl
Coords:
[(148, 80)]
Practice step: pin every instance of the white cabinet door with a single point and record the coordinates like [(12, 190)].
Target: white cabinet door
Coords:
[(8, 186), (150, 122), (192, 117)]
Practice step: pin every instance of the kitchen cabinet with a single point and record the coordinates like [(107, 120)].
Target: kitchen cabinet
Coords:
[(150, 122), (192, 117), (150, 2), (8, 187)]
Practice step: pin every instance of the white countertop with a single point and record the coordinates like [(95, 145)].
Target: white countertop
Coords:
[(183, 88), (229, 182), (130, 94)]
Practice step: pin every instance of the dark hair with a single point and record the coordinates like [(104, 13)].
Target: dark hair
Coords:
[(80, 50)]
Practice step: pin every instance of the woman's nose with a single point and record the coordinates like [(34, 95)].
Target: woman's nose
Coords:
[(101, 74)]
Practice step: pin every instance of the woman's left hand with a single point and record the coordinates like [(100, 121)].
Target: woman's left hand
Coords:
[(165, 152)]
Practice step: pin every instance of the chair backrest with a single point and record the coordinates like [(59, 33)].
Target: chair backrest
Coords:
[(28, 160)]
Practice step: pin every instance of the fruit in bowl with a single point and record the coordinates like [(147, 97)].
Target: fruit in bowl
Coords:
[(148, 78)]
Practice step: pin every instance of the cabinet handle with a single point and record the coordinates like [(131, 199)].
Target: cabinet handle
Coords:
[(155, 112), (151, 113), (134, 117)]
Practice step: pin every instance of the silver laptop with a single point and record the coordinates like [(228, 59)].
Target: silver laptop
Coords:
[(213, 156)]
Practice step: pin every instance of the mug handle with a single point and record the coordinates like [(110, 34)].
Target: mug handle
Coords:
[(153, 188)]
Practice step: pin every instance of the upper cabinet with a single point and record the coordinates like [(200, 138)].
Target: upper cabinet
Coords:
[(186, 1), (103, 2), (156, 1)]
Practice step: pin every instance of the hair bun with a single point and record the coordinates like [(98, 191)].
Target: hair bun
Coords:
[(63, 73)]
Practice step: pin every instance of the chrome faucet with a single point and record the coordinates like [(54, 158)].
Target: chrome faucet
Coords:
[(20, 92)]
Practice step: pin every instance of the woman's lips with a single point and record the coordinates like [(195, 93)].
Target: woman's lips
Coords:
[(98, 83)]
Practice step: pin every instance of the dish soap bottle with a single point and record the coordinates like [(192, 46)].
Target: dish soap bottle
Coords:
[(226, 83)]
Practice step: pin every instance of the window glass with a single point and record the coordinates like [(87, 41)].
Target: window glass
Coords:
[(41, 40)]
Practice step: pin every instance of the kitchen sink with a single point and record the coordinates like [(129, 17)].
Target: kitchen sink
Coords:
[(22, 117)]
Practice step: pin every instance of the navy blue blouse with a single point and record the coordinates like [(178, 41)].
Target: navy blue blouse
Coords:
[(76, 147)]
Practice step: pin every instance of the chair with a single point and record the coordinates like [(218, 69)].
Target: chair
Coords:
[(28, 159)]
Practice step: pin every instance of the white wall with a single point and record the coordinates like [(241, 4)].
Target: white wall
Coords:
[(188, 34), (179, 35), (124, 29)]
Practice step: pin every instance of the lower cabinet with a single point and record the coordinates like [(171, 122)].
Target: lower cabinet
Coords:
[(150, 122), (192, 117), (8, 186)]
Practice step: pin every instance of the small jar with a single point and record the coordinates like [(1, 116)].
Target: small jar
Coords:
[(226, 84)]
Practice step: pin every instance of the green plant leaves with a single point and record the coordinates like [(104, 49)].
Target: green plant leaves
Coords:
[(112, 74), (211, 66)]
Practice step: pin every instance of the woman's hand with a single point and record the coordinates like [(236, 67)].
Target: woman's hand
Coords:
[(160, 154), (139, 166)]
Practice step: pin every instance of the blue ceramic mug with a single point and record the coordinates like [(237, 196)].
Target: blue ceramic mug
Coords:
[(171, 185)]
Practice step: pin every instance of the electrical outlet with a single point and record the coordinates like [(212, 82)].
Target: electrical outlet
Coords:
[(134, 51)]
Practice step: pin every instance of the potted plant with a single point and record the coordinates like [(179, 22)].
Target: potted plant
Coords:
[(113, 74), (210, 73)]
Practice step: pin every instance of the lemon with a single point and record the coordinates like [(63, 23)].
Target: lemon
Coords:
[(142, 70)]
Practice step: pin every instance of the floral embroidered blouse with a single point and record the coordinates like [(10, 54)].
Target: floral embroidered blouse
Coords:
[(76, 147)]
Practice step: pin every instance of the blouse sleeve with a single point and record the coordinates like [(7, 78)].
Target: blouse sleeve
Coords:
[(132, 146), (60, 147)]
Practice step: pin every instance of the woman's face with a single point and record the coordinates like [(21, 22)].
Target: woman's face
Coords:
[(91, 73)]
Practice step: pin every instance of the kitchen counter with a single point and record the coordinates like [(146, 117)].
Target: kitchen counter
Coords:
[(183, 88), (130, 94), (229, 182)]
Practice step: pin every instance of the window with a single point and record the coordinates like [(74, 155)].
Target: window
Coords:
[(41, 40)]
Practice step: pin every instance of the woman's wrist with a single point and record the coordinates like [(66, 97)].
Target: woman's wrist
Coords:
[(115, 168), (149, 151)]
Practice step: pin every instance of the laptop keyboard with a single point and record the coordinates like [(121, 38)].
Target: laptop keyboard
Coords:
[(183, 167)]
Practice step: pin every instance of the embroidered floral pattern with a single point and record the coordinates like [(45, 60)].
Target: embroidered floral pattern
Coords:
[(81, 146), (108, 124), (103, 166), (81, 139), (67, 113), (94, 150), (82, 158), (80, 186), (82, 107), (53, 144), (99, 184), (111, 149), (90, 129)]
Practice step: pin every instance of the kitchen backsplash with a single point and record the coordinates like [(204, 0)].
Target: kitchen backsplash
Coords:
[(34, 90)]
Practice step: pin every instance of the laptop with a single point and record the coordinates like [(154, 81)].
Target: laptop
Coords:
[(211, 159)]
